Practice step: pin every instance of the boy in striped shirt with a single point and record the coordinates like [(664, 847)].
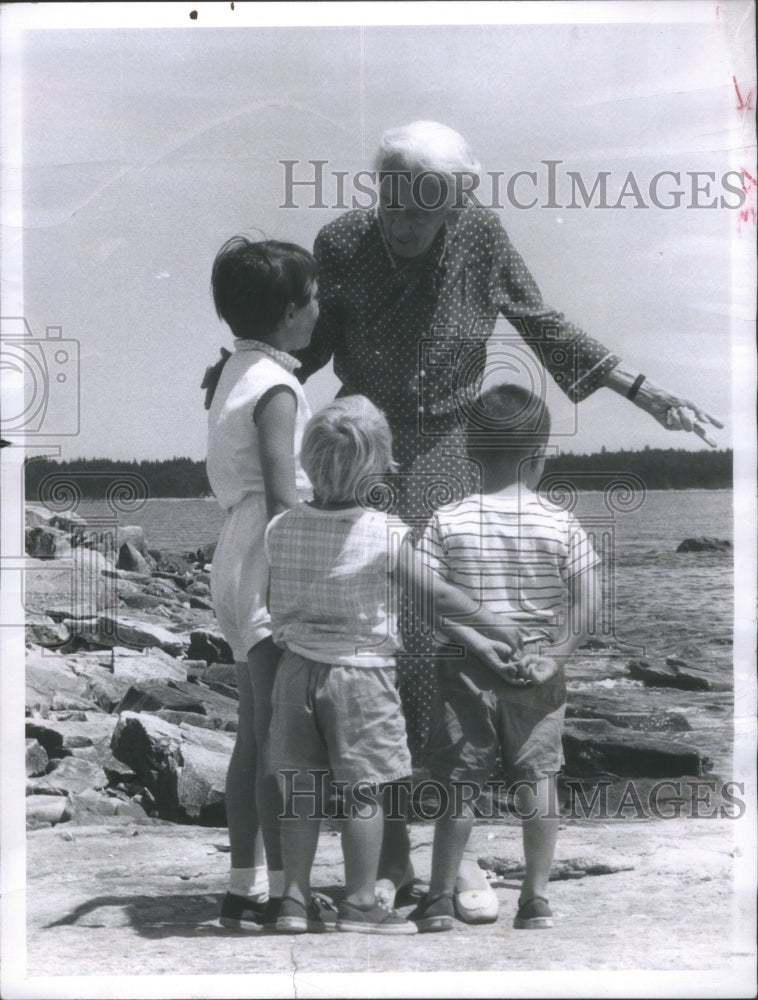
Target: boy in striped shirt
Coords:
[(530, 561)]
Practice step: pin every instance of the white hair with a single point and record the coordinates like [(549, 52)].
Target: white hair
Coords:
[(423, 146), (343, 443)]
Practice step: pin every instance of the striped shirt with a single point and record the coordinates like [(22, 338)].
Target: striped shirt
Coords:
[(332, 597), (511, 550)]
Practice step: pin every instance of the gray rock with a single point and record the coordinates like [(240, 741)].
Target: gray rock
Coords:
[(75, 586), (71, 522), (664, 722), (132, 560), (628, 755), (201, 603), (221, 673), (175, 564), (183, 768), (36, 516), (133, 535), (70, 774), (209, 645), (47, 810), (666, 676), (36, 758), (189, 719), (148, 665), (199, 589), (48, 675), (44, 542), (214, 704), (105, 690), (62, 737), (140, 601), (42, 630), (112, 630), (71, 704), (93, 808), (151, 697), (704, 544)]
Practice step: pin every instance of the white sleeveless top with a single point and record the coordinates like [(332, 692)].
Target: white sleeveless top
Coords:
[(234, 462)]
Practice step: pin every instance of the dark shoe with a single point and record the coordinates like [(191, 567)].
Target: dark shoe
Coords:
[(271, 913), (434, 913), (297, 918), (374, 919), (327, 910), (241, 913), (533, 914)]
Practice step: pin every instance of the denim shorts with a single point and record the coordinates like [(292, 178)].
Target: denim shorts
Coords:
[(478, 718), (345, 719)]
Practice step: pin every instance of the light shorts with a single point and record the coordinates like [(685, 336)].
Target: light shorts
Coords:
[(340, 718), (478, 717)]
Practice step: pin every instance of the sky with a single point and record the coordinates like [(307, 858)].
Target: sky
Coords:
[(143, 149)]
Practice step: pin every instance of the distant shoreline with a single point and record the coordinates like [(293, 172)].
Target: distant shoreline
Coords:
[(186, 479)]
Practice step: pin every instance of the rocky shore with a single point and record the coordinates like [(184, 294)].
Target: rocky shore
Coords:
[(131, 700), (131, 711)]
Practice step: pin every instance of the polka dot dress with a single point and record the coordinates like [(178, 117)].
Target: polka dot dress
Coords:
[(411, 335)]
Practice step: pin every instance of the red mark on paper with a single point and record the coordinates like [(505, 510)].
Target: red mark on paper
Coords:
[(747, 214), (744, 103)]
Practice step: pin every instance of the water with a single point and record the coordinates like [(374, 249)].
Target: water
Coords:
[(660, 600)]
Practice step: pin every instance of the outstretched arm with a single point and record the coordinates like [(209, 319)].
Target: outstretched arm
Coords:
[(579, 364)]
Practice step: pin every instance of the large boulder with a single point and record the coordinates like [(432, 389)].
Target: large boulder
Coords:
[(75, 586), (147, 697), (49, 676), (147, 664), (132, 560), (628, 754), (112, 630), (94, 808), (174, 564), (64, 737), (209, 645), (42, 630), (668, 676), (133, 535), (68, 775), (105, 690), (44, 542), (704, 544), (217, 705), (36, 758), (183, 767), (47, 810)]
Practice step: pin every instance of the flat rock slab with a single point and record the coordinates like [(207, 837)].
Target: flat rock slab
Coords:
[(127, 901)]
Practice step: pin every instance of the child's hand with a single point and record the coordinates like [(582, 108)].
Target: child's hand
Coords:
[(497, 657), (536, 669)]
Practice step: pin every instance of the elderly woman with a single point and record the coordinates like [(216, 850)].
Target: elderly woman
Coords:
[(409, 295)]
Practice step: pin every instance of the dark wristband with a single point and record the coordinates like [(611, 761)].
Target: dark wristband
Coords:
[(635, 387)]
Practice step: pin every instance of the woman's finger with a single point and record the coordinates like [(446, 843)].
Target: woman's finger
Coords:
[(700, 431)]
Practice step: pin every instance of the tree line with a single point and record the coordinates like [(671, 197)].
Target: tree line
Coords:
[(657, 468)]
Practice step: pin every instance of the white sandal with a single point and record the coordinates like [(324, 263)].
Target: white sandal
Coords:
[(476, 906)]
